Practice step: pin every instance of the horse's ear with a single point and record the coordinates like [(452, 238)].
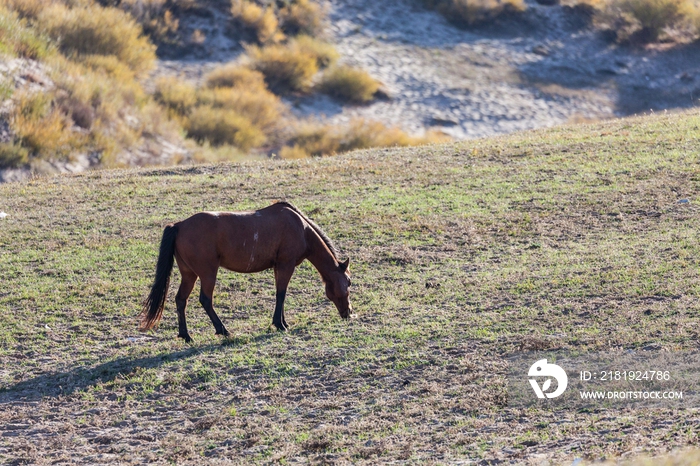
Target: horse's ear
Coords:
[(344, 265)]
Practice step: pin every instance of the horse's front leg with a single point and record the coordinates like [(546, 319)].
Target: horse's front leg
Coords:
[(283, 274)]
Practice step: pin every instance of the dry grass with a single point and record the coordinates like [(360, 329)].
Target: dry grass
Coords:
[(99, 31), (234, 75), (680, 458), (262, 21), (303, 17), (322, 140), (326, 54), (43, 128), (26, 8), (285, 67), (13, 155), (175, 94), (349, 84), (157, 21), (293, 152), (17, 39), (220, 126), (471, 12), (258, 105), (644, 21), (97, 106)]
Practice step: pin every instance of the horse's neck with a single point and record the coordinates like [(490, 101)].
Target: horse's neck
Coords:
[(319, 254)]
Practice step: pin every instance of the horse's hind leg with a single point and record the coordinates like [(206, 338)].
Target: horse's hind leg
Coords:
[(206, 299), (183, 293)]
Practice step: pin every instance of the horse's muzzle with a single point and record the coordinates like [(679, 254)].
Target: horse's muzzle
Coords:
[(348, 314)]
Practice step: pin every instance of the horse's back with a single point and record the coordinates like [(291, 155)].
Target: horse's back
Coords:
[(242, 241)]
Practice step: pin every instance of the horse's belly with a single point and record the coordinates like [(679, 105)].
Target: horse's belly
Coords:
[(246, 268), (246, 259)]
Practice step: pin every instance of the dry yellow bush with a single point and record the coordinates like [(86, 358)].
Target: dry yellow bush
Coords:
[(325, 53), (13, 155), (285, 67), (99, 31), (303, 17), (177, 95), (262, 108), (110, 65), (260, 20), (319, 140), (220, 126), (293, 152), (472, 12), (157, 21), (232, 75), (16, 38), (349, 84), (26, 8), (645, 20), (43, 128)]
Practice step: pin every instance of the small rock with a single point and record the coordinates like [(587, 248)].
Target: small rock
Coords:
[(683, 201), (443, 121), (541, 49)]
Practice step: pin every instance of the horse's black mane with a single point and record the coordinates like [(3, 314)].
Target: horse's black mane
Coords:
[(316, 228)]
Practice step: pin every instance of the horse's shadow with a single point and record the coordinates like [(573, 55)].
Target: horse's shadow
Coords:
[(58, 383)]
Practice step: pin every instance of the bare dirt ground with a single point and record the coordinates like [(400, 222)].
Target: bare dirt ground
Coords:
[(544, 68)]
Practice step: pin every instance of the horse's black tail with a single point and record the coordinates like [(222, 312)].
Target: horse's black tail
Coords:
[(153, 307)]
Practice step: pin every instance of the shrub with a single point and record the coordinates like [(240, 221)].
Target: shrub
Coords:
[(293, 152), (286, 68), (233, 75), (178, 96), (220, 126), (645, 20), (13, 155), (81, 113), (262, 21), (325, 53), (349, 84), (262, 108), (18, 39), (43, 128), (156, 20), (25, 8), (318, 140), (99, 31), (471, 12), (303, 17)]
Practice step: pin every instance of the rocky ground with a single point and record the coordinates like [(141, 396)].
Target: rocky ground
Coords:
[(543, 68)]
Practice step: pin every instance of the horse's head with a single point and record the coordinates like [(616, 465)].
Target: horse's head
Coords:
[(337, 289)]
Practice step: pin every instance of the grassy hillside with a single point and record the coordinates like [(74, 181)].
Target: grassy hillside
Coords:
[(571, 237)]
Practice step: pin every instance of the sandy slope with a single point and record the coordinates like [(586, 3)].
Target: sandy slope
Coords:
[(544, 68)]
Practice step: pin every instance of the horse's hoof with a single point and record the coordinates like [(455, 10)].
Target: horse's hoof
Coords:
[(224, 333), (187, 338), (280, 327)]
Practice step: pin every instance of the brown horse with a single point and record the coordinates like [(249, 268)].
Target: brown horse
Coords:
[(278, 236)]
